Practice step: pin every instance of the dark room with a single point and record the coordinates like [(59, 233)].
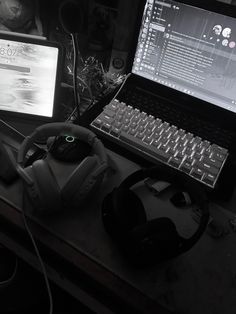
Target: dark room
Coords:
[(117, 156)]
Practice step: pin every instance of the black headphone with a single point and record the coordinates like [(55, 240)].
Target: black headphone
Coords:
[(146, 242), (39, 180)]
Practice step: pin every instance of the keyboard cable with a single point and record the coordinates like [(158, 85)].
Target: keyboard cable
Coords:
[(121, 86)]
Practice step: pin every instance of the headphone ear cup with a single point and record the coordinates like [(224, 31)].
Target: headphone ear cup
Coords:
[(80, 181), (157, 240), (45, 189), (121, 212)]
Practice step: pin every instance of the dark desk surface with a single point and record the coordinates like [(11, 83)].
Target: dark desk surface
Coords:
[(81, 257)]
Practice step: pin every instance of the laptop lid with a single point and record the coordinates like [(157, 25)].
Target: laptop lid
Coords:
[(187, 51), (29, 78)]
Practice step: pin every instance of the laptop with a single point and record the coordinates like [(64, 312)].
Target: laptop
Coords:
[(30, 68), (178, 104)]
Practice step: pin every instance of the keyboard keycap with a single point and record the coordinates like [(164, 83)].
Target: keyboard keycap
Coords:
[(115, 132), (140, 135), (209, 178), (186, 166), (109, 112), (147, 139), (218, 156), (197, 172), (98, 122), (175, 161), (106, 127), (132, 131)]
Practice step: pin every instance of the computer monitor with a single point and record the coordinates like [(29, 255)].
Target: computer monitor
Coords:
[(29, 77)]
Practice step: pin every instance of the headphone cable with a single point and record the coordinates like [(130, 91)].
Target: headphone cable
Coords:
[(2, 198), (38, 255), (76, 93)]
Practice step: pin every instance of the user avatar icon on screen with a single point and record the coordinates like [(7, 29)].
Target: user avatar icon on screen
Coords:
[(217, 29), (225, 42), (226, 32)]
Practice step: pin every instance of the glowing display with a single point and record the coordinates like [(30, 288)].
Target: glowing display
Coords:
[(27, 77)]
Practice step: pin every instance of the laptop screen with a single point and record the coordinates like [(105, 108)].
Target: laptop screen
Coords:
[(28, 72), (188, 49)]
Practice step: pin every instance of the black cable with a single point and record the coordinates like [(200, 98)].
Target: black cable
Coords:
[(75, 65), (38, 255), (35, 248)]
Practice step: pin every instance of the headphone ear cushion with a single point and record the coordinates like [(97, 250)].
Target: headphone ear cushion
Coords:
[(121, 212), (45, 186), (158, 239), (82, 175)]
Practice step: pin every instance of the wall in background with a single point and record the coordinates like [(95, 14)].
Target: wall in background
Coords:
[(106, 30)]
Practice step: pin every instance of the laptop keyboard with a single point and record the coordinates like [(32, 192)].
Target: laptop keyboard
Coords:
[(158, 140)]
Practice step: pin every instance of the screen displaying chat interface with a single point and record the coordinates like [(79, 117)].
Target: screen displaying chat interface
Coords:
[(27, 77), (188, 49)]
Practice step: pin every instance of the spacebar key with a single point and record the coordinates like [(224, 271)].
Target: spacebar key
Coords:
[(135, 142)]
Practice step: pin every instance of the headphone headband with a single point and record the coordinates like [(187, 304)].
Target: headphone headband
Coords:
[(62, 128), (196, 192)]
